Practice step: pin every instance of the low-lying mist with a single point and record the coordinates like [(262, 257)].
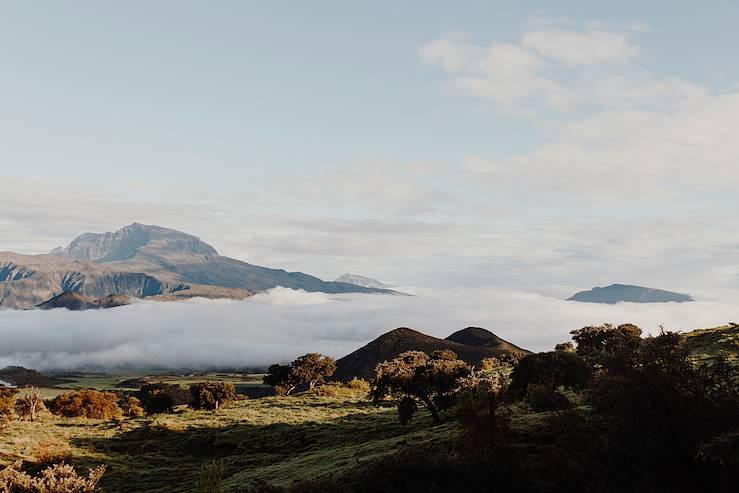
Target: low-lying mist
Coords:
[(281, 324)]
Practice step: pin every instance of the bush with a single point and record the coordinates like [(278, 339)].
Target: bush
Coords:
[(554, 368), (7, 404), (210, 477), (132, 407), (87, 403), (162, 397), (358, 384), (29, 405), (543, 397), (211, 395), (59, 478)]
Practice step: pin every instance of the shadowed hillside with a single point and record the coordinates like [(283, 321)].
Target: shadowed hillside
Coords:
[(362, 362), (477, 336)]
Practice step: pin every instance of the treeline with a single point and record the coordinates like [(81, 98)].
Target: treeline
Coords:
[(611, 411)]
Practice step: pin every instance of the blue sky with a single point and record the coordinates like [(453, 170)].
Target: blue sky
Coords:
[(499, 143)]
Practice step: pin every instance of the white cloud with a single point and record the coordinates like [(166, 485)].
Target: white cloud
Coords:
[(581, 48), (283, 324), (560, 68)]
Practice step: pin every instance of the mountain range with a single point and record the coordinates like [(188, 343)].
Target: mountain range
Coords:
[(141, 261), (616, 293)]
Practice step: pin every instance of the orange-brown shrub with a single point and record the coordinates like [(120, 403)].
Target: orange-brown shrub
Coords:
[(87, 403)]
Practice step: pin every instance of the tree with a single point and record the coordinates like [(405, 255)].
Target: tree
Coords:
[(310, 369), (211, 395), (606, 344), (162, 397), (279, 378), (87, 403), (416, 375), (29, 405), (553, 369)]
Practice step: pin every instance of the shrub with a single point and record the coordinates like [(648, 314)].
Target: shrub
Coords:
[(162, 397), (7, 404), (358, 384), (544, 397), (211, 395), (48, 453), (29, 405), (481, 425), (132, 407), (210, 477), (87, 403), (58, 478)]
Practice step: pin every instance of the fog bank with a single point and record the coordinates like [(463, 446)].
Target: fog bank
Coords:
[(281, 324)]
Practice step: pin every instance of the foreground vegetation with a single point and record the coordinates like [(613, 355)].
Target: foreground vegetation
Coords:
[(611, 412)]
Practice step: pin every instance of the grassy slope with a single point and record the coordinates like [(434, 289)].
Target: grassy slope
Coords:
[(279, 440), (707, 344)]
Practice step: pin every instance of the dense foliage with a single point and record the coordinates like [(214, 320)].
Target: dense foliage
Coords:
[(162, 397), (415, 375), (87, 403), (211, 395), (310, 369)]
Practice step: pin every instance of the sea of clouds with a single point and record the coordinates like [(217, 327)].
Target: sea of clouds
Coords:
[(280, 324)]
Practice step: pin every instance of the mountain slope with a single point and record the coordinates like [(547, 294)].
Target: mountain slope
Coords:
[(362, 362), (633, 294), (144, 261), (477, 336)]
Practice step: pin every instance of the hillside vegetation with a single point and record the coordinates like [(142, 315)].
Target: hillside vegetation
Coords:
[(614, 412)]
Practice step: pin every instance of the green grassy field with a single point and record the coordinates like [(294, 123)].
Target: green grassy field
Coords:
[(276, 439)]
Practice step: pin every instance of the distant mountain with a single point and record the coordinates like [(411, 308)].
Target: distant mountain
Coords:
[(477, 336), (144, 261), (76, 301), (362, 362), (365, 282), (632, 294)]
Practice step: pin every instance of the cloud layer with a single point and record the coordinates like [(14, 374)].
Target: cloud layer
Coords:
[(282, 324)]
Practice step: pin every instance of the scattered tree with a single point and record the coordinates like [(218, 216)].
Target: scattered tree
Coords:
[(29, 404), (311, 369), (87, 403), (553, 369), (211, 395), (162, 397), (416, 375)]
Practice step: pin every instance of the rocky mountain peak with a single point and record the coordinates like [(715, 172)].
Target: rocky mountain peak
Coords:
[(131, 240)]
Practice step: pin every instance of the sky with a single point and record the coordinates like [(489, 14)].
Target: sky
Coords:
[(510, 145)]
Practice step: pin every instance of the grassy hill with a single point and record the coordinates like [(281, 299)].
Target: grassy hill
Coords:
[(708, 344)]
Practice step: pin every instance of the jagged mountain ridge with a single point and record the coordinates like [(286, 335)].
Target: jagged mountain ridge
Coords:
[(143, 261)]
